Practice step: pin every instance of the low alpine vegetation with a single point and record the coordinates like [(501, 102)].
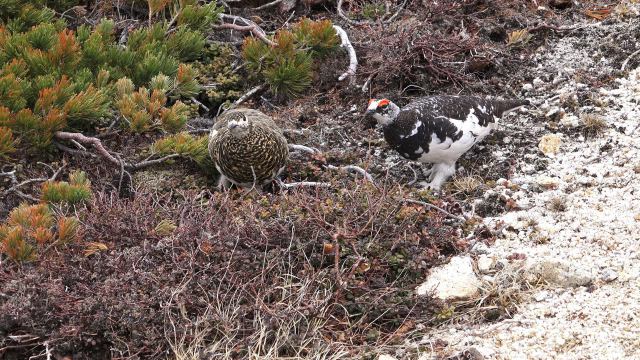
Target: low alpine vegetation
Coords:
[(288, 66), (57, 79), (31, 228)]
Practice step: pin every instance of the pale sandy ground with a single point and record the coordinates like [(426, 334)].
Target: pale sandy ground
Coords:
[(597, 237)]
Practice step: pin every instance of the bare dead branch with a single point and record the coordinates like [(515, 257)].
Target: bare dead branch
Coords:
[(15, 185), (353, 59), (95, 142), (147, 163), (249, 26), (247, 96), (241, 100), (199, 104), (626, 61), (395, 15), (345, 17), (353, 168), (303, 184), (268, 5), (73, 151), (307, 149), (431, 206)]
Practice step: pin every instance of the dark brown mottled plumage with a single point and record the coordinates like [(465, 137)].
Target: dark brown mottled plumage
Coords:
[(247, 148)]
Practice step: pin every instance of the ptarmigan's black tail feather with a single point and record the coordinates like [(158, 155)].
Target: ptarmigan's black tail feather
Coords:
[(502, 106)]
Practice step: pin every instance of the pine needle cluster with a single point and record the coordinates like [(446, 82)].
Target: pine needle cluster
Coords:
[(6, 143), (287, 67), (144, 108), (194, 148), (53, 78), (76, 191), (32, 227)]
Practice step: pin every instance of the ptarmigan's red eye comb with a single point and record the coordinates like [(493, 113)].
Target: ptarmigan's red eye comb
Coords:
[(383, 102)]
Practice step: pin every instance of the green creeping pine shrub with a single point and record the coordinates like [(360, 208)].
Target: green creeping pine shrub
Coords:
[(194, 148), (145, 108), (6, 143), (52, 78), (287, 67), (76, 191), (30, 227)]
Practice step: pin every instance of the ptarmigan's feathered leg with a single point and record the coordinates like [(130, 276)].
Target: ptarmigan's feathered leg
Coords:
[(223, 183), (439, 174)]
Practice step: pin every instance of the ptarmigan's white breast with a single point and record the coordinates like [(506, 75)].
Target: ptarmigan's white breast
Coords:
[(449, 150)]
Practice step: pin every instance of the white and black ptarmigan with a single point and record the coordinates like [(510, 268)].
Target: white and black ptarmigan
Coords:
[(247, 148), (439, 129)]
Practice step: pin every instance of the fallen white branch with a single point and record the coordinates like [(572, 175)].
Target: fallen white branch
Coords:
[(304, 184), (626, 61), (353, 168), (310, 150), (147, 163), (431, 206), (353, 59), (203, 106), (268, 5), (241, 100), (247, 96)]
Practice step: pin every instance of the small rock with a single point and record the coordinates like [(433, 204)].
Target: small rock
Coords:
[(550, 144), (537, 82), (527, 87), (541, 296), (560, 274), (455, 280), (609, 275), (386, 357), (485, 263), (570, 121), (480, 248), (547, 182), (469, 354)]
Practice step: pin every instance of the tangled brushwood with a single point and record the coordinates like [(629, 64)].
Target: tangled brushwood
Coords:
[(242, 276)]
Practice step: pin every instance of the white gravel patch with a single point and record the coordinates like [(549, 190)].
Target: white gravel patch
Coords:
[(597, 180)]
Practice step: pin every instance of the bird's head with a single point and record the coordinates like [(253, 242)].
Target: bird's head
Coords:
[(383, 110), (239, 125)]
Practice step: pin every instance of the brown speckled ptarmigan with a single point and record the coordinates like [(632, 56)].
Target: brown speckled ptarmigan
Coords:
[(247, 148), (439, 129)]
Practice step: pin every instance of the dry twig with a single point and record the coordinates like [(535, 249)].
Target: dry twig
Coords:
[(288, 186), (395, 15), (95, 142), (353, 168), (307, 149), (250, 26), (15, 184), (268, 5), (626, 61), (431, 206), (345, 17)]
